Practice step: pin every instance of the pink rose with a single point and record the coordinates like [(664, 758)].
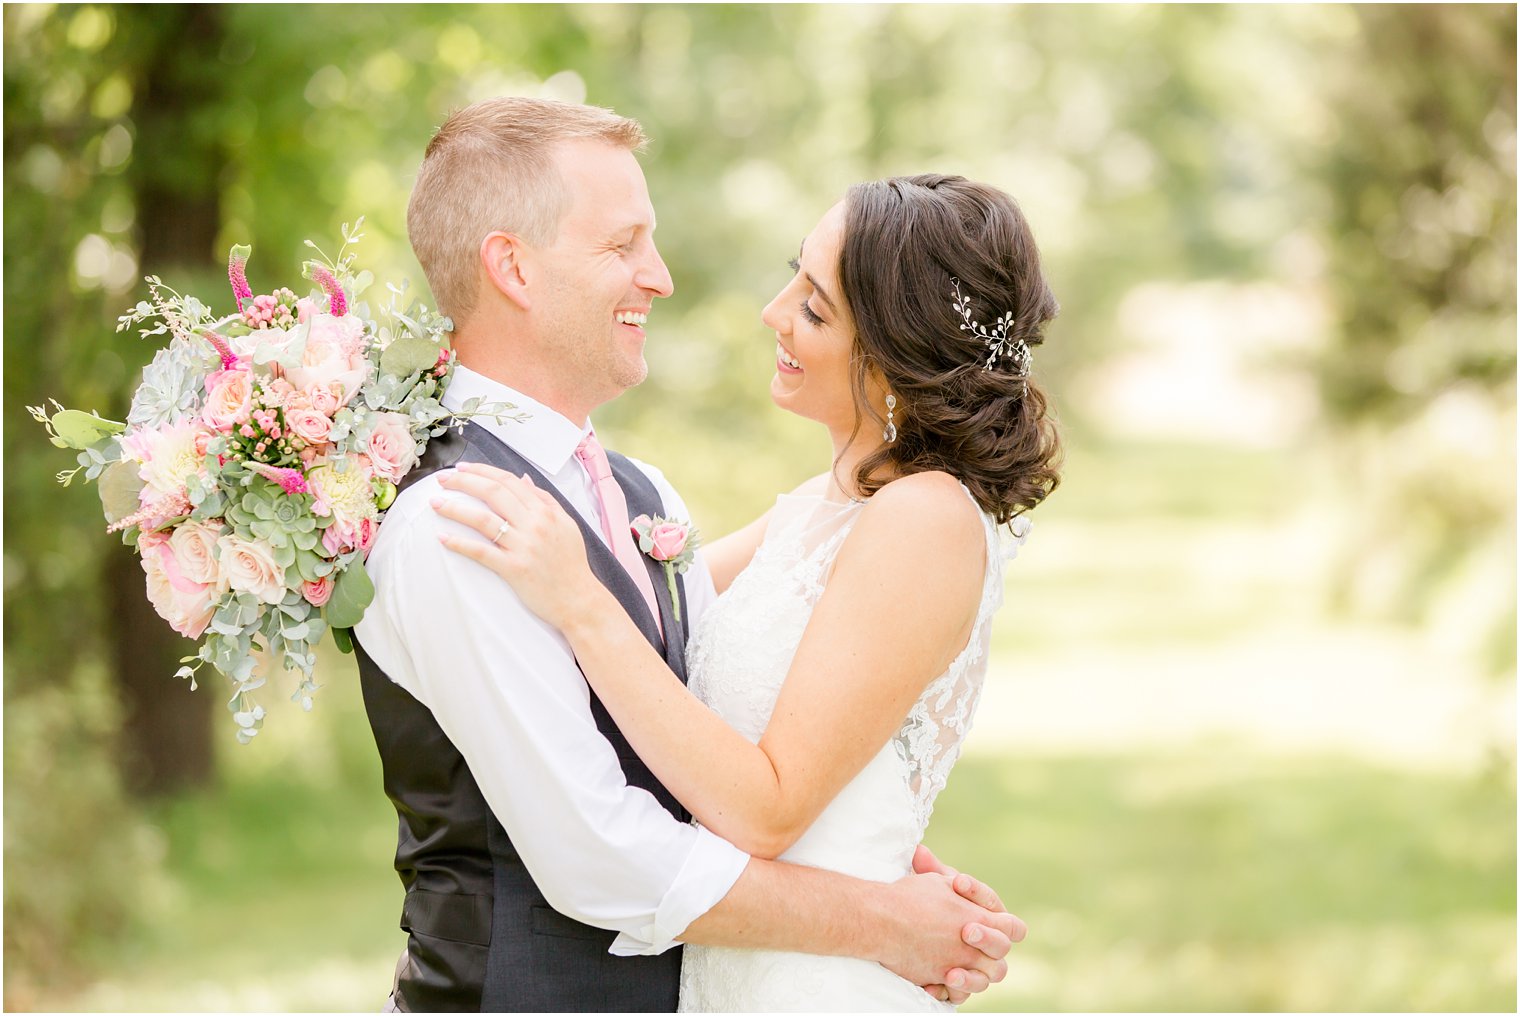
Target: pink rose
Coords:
[(229, 399), (669, 540), (249, 567), (346, 332), (284, 392), (305, 308), (193, 546), (308, 425), (392, 451), (318, 592), (368, 530), (334, 356), (322, 399), (344, 535), (335, 538), (188, 606)]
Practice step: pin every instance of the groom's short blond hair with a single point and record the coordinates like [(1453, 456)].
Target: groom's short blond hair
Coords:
[(489, 168)]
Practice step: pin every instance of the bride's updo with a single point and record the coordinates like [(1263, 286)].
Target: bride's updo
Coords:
[(905, 239)]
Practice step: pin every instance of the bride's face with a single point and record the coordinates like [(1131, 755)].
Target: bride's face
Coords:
[(815, 335)]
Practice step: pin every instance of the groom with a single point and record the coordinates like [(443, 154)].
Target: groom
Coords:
[(545, 867)]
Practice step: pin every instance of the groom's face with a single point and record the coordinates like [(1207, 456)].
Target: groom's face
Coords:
[(601, 274)]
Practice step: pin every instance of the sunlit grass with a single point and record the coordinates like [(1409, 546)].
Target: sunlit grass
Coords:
[(1194, 880), (1206, 880)]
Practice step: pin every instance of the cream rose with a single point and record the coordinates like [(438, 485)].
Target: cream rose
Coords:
[(334, 357), (249, 567), (193, 545), (392, 451), (229, 399), (188, 606)]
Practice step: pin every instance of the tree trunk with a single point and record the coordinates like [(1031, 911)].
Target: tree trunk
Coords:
[(176, 172)]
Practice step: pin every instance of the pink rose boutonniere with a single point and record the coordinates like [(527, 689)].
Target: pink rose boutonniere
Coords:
[(671, 543)]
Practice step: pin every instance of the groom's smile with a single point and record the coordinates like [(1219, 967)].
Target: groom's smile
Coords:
[(633, 320)]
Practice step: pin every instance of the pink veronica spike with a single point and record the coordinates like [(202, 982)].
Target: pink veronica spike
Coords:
[(237, 273), (290, 480), (229, 358), (337, 302)]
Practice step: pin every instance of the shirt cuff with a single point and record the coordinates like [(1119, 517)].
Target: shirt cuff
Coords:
[(710, 871)]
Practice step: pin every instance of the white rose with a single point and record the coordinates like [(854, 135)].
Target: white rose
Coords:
[(193, 545), (249, 567)]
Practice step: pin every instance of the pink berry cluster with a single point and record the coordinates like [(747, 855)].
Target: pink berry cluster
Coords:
[(265, 438), (271, 310)]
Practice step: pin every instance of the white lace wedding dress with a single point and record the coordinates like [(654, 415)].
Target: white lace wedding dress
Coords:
[(736, 662)]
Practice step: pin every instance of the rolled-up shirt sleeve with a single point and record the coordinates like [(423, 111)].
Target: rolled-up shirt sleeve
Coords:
[(504, 687)]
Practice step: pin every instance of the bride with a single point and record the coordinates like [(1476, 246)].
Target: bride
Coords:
[(834, 680)]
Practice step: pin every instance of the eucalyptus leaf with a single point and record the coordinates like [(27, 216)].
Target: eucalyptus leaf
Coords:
[(407, 356), (77, 429), (351, 594), (119, 489)]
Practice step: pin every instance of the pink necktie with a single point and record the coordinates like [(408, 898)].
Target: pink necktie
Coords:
[(615, 520)]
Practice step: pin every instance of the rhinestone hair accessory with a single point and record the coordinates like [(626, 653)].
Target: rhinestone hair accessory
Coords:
[(998, 340)]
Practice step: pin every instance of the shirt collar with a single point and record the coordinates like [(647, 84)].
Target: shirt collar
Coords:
[(546, 438)]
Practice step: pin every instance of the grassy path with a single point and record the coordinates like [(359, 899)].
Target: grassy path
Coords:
[(1193, 880)]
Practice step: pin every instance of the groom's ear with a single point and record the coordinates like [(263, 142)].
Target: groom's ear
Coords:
[(502, 256)]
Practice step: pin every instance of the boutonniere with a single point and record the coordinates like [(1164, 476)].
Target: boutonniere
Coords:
[(671, 543)]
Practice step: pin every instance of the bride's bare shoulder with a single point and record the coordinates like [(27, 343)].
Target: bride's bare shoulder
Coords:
[(930, 508)]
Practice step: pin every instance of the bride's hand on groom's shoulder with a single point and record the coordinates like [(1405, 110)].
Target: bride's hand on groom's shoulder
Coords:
[(527, 539)]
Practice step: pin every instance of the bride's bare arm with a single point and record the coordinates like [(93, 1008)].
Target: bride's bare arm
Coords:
[(898, 607)]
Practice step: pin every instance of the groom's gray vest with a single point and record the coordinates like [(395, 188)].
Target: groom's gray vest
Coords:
[(481, 937)]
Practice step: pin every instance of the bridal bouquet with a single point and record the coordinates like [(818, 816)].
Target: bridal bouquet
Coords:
[(260, 452)]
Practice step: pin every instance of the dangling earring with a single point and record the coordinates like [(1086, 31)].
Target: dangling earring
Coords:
[(890, 434)]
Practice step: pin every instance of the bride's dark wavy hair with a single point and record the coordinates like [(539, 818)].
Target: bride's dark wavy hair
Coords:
[(904, 239)]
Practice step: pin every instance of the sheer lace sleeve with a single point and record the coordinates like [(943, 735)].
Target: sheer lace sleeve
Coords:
[(929, 741)]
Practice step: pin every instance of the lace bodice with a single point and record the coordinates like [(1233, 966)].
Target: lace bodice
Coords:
[(737, 661)]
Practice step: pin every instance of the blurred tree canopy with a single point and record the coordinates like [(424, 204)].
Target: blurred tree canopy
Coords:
[(1364, 157)]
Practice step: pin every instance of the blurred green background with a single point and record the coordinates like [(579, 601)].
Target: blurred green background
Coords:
[(1248, 739)]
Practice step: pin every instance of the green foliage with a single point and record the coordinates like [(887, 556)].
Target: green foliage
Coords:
[(351, 594), (78, 858), (406, 356), (1421, 239)]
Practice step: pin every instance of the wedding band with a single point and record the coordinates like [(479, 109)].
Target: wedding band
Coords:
[(500, 532)]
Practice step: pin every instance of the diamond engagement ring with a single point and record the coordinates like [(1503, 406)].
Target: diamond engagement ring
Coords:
[(500, 533)]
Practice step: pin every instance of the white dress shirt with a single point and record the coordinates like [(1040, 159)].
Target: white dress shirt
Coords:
[(505, 688)]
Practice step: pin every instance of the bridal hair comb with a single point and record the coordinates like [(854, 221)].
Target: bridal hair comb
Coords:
[(998, 341)]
